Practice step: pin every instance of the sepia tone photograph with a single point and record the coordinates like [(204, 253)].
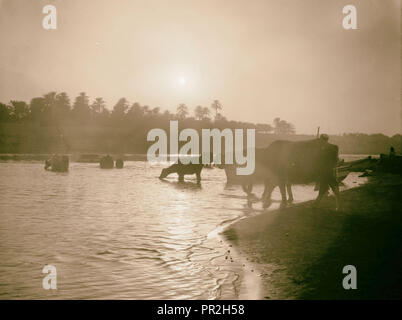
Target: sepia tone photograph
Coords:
[(200, 150)]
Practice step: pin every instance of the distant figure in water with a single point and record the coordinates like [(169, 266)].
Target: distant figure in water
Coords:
[(183, 169), (119, 163), (57, 163), (324, 138), (391, 152), (106, 162), (48, 164)]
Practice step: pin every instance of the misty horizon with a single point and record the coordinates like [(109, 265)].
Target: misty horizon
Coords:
[(271, 59)]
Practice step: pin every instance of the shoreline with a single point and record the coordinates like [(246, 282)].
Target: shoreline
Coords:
[(247, 285), (300, 251)]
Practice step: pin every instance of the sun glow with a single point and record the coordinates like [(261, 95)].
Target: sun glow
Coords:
[(182, 81)]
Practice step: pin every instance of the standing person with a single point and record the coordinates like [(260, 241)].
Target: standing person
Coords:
[(324, 140), (391, 152)]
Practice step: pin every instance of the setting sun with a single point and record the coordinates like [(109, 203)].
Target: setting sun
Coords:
[(182, 81)]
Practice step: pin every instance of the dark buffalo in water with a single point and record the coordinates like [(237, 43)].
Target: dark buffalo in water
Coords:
[(57, 163), (119, 163), (106, 162), (284, 163), (182, 170)]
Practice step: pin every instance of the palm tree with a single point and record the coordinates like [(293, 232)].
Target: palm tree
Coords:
[(283, 127), (118, 114), (50, 99), (198, 112), (220, 117), (120, 107), (98, 105), (5, 112), (81, 109), (201, 113), (49, 110), (264, 127), (276, 122), (155, 111), (145, 110), (216, 105), (20, 109), (167, 115), (205, 113), (182, 111), (135, 111), (37, 106), (62, 106)]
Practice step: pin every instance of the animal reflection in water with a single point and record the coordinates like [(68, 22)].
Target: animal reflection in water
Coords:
[(284, 163), (183, 169), (184, 185)]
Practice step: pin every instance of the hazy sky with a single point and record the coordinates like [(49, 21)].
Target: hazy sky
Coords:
[(261, 58)]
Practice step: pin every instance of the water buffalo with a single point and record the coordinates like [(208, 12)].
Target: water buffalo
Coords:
[(301, 162), (119, 163), (182, 170), (106, 162), (262, 174), (57, 163)]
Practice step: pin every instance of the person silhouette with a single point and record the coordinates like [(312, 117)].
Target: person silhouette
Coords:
[(324, 140), (391, 152)]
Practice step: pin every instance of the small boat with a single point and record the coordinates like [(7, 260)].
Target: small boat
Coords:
[(57, 163), (106, 162)]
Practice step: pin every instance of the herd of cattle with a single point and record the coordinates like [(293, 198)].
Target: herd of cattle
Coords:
[(282, 164)]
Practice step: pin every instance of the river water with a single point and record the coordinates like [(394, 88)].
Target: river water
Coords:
[(123, 234)]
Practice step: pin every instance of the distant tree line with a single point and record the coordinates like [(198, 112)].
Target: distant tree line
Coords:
[(53, 123), (40, 125), (56, 109)]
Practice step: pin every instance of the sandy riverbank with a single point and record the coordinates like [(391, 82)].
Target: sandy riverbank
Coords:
[(301, 251)]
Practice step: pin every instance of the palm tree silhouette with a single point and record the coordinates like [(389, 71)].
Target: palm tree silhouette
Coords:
[(216, 105), (182, 111)]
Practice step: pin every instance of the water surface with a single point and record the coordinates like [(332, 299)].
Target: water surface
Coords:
[(121, 233)]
